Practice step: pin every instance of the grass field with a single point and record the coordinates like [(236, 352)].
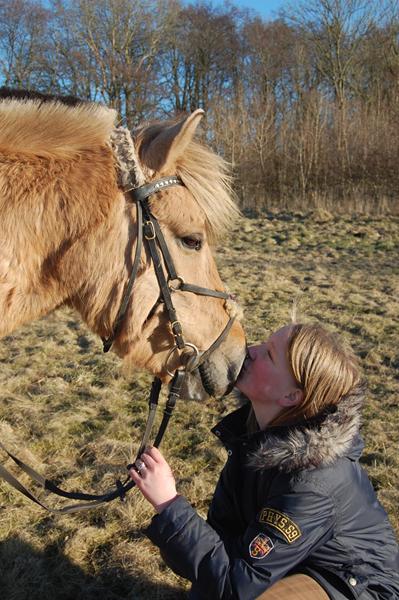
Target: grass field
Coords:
[(72, 413)]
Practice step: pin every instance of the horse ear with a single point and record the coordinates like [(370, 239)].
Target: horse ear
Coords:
[(166, 148)]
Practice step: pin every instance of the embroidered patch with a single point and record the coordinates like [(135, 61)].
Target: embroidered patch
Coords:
[(260, 546), (281, 522)]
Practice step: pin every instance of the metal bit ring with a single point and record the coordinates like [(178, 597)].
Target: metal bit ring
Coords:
[(192, 358)]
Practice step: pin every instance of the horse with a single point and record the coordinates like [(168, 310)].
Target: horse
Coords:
[(69, 232)]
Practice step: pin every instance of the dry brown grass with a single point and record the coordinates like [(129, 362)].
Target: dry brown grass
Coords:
[(70, 411)]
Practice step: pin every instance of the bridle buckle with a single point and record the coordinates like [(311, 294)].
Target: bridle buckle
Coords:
[(149, 230), (176, 328)]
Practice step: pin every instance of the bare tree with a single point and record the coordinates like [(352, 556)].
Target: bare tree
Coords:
[(23, 42), (109, 49), (200, 58), (335, 29)]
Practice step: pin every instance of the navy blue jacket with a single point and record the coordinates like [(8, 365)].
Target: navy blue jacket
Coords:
[(289, 500)]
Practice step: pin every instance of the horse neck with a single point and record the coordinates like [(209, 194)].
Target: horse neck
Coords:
[(105, 256), (64, 248)]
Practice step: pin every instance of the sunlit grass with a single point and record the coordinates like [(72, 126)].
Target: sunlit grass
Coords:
[(68, 409)]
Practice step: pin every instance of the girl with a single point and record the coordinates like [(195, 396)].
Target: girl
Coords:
[(293, 512)]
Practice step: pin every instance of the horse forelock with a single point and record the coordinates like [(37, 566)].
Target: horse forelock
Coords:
[(207, 176), (53, 128)]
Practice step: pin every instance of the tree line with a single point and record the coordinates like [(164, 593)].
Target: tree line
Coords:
[(304, 106)]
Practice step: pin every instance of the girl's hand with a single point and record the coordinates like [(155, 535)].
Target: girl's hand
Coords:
[(155, 479)]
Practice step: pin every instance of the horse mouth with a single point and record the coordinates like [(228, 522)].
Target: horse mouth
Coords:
[(193, 387), (198, 385)]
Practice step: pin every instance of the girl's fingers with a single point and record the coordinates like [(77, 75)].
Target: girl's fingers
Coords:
[(136, 477), (133, 474), (148, 460), (155, 454)]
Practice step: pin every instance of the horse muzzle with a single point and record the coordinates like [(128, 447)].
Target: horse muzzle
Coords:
[(214, 376)]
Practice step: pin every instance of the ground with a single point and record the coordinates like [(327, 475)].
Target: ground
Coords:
[(72, 412)]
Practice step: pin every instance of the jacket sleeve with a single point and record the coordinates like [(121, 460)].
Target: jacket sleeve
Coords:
[(280, 537)]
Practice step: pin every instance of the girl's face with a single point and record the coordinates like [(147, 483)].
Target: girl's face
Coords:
[(266, 377)]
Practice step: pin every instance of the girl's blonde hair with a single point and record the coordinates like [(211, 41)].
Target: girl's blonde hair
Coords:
[(324, 367)]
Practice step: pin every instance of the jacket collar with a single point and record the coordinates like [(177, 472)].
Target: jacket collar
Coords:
[(317, 442)]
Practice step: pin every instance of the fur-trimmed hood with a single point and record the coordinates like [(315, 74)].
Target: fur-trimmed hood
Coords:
[(307, 445)]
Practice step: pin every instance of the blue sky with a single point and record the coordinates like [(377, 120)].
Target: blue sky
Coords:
[(265, 8)]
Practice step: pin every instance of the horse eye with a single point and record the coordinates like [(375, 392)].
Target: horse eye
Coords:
[(192, 243)]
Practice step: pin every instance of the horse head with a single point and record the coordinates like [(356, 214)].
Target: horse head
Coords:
[(191, 218)]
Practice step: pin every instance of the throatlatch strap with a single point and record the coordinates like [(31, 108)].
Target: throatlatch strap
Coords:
[(107, 342)]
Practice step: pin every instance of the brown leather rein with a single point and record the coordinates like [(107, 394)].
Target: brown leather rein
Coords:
[(148, 230)]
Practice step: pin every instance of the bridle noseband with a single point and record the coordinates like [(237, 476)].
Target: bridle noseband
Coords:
[(149, 231)]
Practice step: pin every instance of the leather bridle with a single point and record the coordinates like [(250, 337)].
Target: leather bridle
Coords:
[(148, 227), (149, 232)]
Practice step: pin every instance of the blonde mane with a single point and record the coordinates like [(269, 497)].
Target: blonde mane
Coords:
[(53, 129), (207, 176)]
